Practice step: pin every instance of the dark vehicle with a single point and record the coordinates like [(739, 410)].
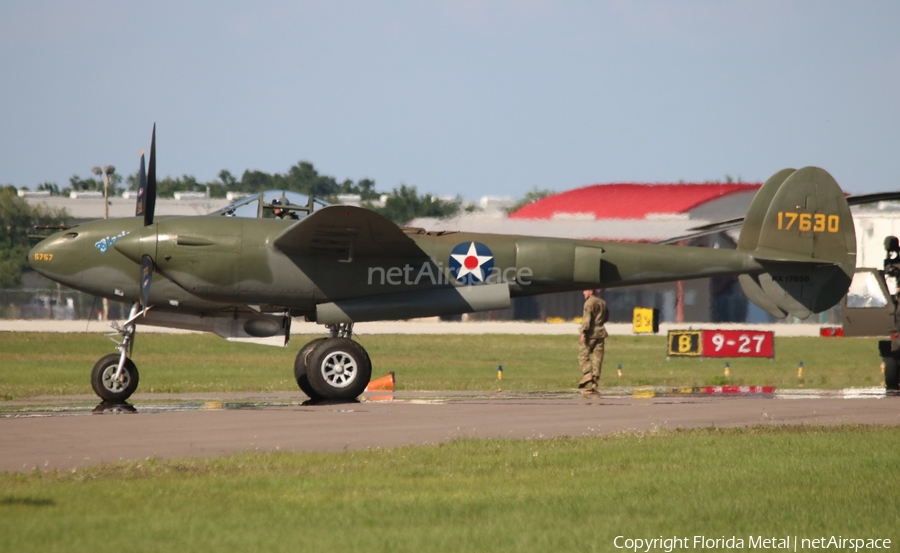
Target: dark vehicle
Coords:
[(869, 309)]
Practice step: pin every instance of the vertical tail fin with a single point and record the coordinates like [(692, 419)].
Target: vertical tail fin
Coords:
[(799, 228)]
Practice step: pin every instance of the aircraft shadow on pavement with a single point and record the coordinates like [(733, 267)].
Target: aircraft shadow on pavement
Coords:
[(318, 402), (114, 408), (123, 407)]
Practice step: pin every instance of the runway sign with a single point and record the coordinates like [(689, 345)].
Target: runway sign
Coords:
[(645, 320), (684, 343), (721, 343)]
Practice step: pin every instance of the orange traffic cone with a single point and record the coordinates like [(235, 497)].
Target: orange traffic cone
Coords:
[(385, 383)]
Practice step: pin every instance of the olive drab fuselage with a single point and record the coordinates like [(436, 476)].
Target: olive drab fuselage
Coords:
[(210, 263), (796, 255)]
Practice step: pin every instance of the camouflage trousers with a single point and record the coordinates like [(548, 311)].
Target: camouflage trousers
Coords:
[(590, 358)]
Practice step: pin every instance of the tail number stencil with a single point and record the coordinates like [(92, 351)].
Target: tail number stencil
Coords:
[(805, 222)]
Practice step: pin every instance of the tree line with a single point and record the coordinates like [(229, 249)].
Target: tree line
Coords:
[(401, 205), (17, 221)]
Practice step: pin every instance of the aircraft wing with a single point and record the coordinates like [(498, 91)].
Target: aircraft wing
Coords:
[(347, 232), (729, 224)]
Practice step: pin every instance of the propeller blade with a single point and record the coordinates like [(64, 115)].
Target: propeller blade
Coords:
[(142, 189), (150, 201), (146, 276)]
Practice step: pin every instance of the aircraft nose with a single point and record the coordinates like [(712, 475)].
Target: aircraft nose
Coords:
[(57, 257)]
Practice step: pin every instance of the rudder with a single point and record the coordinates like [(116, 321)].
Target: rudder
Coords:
[(800, 229)]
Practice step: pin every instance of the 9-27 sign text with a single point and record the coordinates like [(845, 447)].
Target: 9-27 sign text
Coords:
[(721, 343)]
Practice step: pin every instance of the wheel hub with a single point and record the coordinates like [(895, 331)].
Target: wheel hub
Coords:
[(113, 384), (339, 369)]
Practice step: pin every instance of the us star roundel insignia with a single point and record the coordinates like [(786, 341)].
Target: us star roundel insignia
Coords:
[(471, 262)]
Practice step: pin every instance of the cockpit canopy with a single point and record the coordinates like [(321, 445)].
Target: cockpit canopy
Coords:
[(260, 205)]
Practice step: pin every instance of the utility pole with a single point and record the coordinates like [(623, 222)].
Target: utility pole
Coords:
[(105, 172)]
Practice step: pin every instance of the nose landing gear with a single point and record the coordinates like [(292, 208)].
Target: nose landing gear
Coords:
[(115, 377)]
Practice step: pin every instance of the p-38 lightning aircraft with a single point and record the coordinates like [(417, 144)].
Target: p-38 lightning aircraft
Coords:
[(240, 272)]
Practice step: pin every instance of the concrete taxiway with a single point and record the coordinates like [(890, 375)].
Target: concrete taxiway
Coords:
[(70, 432)]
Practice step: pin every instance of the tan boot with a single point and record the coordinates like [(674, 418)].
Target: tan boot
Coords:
[(585, 380)]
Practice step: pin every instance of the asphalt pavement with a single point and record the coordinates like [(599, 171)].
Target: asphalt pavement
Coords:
[(70, 432)]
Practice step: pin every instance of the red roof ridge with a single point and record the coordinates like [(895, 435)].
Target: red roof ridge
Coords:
[(631, 200)]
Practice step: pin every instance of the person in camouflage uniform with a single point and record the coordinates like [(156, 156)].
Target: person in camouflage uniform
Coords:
[(593, 336)]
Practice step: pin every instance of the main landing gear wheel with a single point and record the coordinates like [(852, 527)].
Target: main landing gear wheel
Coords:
[(339, 368), (300, 365), (105, 383)]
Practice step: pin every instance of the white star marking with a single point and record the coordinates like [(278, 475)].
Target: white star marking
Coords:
[(476, 269)]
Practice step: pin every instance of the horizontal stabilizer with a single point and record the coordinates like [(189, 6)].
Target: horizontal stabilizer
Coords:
[(781, 256), (737, 222)]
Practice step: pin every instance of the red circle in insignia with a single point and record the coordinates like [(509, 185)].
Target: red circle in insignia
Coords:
[(471, 262)]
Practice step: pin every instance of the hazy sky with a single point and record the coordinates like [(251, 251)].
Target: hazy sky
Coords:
[(454, 97)]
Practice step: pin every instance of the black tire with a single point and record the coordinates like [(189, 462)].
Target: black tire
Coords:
[(300, 368), (339, 368), (891, 373), (102, 379)]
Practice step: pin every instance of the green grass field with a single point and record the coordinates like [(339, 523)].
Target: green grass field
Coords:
[(487, 495), (42, 363), (573, 494)]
